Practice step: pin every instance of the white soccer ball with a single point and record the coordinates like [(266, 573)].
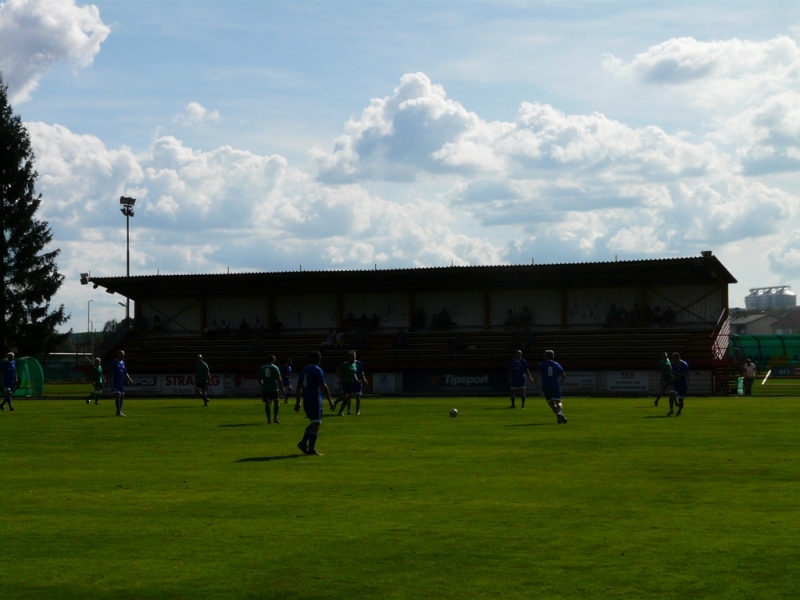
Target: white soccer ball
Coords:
[(454, 413)]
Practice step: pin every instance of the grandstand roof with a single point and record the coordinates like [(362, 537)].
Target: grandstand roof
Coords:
[(704, 269)]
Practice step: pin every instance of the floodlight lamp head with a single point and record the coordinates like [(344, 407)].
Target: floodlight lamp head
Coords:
[(85, 278), (126, 201)]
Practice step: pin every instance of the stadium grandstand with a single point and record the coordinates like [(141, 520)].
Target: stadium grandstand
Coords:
[(444, 330)]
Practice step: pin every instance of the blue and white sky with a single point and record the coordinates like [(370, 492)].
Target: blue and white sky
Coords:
[(265, 135)]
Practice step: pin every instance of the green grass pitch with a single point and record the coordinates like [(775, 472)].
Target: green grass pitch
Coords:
[(178, 501)]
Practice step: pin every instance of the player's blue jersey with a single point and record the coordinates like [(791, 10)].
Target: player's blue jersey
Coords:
[(118, 371), (359, 370), (551, 373), (680, 377), (519, 368), (286, 372), (9, 373), (312, 378)]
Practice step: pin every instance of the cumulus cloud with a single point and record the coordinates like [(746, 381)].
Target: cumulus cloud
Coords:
[(716, 74), (747, 89), (206, 211), (396, 137), (36, 34), (576, 184), (195, 113), (784, 259)]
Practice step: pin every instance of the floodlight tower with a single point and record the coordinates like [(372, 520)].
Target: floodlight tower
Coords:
[(127, 210)]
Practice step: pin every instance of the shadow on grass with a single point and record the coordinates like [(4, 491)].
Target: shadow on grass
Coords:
[(659, 417), (238, 425), (174, 407), (268, 458), (531, 424)]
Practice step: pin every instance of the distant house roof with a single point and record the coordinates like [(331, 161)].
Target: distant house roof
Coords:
[(791, 320), (747, 319), (706, 269)]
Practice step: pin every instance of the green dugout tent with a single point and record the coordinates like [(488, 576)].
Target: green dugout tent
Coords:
[(31, 378), (766, 350)]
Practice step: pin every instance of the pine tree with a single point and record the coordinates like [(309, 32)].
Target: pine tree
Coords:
[(30, 275)]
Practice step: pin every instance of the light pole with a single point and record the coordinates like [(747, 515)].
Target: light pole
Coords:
[(127, 210)]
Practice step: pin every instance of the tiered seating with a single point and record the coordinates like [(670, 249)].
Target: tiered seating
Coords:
[(575, 349)]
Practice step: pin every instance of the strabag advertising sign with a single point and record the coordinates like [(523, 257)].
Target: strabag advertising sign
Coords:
[(184, 385)]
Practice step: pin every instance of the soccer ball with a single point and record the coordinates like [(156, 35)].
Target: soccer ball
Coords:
[(454, 413)]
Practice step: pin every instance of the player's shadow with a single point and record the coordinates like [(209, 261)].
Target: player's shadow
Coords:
[(531, 424), (238, 425), (658, 417), (268, 458)]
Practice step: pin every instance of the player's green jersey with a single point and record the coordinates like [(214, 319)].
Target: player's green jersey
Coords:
[(665, 366), (201, 372), (97, 374), (347, 371), (270, 376)]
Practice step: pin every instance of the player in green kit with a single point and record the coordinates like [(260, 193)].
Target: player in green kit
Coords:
[(269, 376), (665, 366), (97, 382), (202, 377), (347, 374)]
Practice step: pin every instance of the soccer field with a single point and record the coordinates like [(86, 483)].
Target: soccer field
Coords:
[(178, 501)]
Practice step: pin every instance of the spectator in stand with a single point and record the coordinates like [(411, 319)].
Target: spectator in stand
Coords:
[(669, 317), (374, 322), (511, 320), (157, 326), (623, 317), (612, 320), (444, 320), (244, 329), (635, 317), (420, 320), (658, 318), (224, 329), (329, 341), (258, 328), (275, 327), (525, 317)]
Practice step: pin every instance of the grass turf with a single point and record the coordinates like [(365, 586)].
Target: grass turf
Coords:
[(178, 501)]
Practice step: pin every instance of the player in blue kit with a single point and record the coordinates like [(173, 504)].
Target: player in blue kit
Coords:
[(119, 377), (552, 377), (10, 380), (311, 387), (286, 378), (680, 384), (517, 373)]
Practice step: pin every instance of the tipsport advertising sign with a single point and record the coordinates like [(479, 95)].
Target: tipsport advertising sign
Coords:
[(456, 382)]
